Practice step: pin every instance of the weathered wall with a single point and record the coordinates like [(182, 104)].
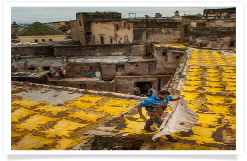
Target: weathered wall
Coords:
[(81, 69), (212, 37), (33, 51), (42, 80), (80, 28), (84, 23), (100, 50), (123, 34), (39, 38), (167, 60), (108, 71), (162, 31), (73, 31), (214, 23), (87, 84), (137, 68), (79, 50), (126, 84)]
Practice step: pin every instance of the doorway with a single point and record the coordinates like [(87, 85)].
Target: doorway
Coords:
[(101, 39), (144, 86)]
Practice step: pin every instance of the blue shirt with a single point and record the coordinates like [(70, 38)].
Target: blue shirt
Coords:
[(155, 100)]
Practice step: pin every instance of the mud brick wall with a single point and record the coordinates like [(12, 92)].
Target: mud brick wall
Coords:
[(33, 51), (156, 31), (100, 50), (212, 37), (126, 84), (135, 68), (87, 84), (81, 69)]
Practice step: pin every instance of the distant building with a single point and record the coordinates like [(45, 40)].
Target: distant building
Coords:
[(38, 32), (93, 27), (62, 26), (220, 13), (14, 30), (158, 15), (176, 15), (192, 17)]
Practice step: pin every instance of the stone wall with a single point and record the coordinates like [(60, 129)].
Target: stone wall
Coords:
[(137, 68), (86, 84), (126, 84), (74, 33), (81, 69), (100, 50), (33, 51), (113, 32), (167, 60), (80, 51), (213, 37), (108, 71)]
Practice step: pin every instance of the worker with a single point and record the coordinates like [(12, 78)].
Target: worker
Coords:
[(151, 91), (137, 91), (61, 75), (155, 106)]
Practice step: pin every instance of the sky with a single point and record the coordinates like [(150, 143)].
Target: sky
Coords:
[(26, 13), (23, 15)]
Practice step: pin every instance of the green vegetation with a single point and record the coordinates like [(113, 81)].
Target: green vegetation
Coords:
[(180, 75), (104, 143), (172, 19), (185, 48)]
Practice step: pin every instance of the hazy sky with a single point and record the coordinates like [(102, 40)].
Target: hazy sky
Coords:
[(53, 14)]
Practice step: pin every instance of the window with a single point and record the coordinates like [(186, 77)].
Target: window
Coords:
[(164, 53), (129, 27), (177, 57), (232, 44), (43, 40), (111, 40), (124, 24), (91, 68), (88, 33), (136, 65), (203, 45), (116, 27), (119, 42), (80, 22), (93, 38), (50, 39), (36, 40)]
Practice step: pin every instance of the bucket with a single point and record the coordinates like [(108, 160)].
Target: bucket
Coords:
[(98, 74)]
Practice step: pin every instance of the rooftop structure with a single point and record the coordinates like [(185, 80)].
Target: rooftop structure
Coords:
[(37, 29)]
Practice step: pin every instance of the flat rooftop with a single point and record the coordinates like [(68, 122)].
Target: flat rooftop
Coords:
[(89, 59), (112, 59), (30, 74)]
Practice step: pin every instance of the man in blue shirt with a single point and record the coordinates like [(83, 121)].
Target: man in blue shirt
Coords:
[(155, 106)]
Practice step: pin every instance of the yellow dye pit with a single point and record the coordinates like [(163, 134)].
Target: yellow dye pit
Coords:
[(218, 81), (49, 128)]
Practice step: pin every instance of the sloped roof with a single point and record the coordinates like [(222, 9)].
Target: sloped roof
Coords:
[(37, 29)]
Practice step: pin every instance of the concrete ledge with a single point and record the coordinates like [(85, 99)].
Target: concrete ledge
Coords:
[(83, 91)]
